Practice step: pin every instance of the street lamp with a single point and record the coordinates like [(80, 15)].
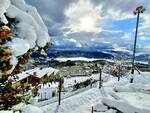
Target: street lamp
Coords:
[(137, 12)]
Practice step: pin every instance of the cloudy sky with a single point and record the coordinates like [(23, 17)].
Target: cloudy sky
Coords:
[(95, 24)]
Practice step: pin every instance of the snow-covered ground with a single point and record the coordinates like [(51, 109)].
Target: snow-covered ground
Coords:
[(80, 103), (121, 95), (75, 59), (124, 96), (130, 98)]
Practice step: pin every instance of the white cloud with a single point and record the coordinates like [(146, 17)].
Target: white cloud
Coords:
[(119, 9), (126, 37), (116, 47), (87, 21), (147, 49), (57, 43), (146, 24), (145, 38), (77, 43), (83, 16), (100, 41)]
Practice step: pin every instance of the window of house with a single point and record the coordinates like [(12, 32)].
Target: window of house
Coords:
[(24, 80)]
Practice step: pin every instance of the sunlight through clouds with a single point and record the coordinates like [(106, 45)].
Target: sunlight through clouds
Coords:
[(83, 17), (95, 21)]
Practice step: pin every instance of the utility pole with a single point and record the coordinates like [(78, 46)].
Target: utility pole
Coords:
[(137, 12), (119, 72), (60, 83), (100, 78)]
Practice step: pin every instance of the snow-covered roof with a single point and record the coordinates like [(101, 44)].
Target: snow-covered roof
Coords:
[(40, 72), (43, 71)]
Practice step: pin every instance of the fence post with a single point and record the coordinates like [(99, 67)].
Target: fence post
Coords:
[(92, 109), (100, 79), (45, 95)]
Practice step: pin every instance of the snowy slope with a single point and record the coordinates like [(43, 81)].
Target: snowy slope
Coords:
[(128, 101), (129, 98), (80, 103)]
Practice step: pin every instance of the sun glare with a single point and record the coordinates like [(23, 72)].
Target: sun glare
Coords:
[(87, 24)]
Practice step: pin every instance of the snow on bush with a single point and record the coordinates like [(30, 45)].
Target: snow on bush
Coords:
[(19, 46), (30, 10), (132, 87), (27, 32), (32, 109), (30, 30), (28, 27), (4, 4), (26, 108), (100, 107), (123, 106), (22, 29), (13, 62)]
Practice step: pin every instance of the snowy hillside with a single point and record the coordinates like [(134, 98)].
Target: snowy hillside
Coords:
[(97, 87), (121, 95), (28, 28)]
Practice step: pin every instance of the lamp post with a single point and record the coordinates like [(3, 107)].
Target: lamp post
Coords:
[(137, 12)]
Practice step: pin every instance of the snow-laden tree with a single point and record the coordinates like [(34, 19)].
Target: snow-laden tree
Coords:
[(21, 29), (118, 68)]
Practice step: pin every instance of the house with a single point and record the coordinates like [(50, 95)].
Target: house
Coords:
[(76, 70), (36, 76), (47, 91)]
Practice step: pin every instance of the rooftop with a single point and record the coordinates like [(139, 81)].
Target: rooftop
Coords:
[(40, 72)]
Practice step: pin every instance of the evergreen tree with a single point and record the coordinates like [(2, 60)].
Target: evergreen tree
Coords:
[(8, 95)]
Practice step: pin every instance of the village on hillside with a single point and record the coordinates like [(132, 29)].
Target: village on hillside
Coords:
[(99, 78)]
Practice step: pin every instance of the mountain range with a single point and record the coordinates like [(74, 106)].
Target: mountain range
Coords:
[(92, 53)]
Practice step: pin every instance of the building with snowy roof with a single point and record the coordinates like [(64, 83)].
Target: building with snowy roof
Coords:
[(36, 76)]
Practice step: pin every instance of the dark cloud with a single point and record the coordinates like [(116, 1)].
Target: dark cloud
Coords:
[(126, 5), (53, 8), (52, 12)]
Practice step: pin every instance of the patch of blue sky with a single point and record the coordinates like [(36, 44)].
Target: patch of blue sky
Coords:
[(127, 25)]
